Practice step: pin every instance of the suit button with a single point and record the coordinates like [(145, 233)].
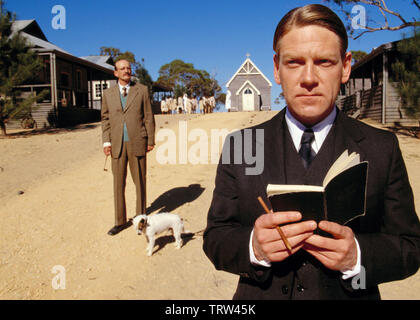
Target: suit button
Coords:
[(300, 289), (285, 289)]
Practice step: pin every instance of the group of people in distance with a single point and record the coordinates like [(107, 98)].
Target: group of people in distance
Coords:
[(186, 104)]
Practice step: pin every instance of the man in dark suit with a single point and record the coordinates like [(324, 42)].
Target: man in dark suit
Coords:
[(128, 132), (300, 144)]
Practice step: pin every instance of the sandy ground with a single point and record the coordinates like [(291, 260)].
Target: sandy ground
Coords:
[(57, 206)]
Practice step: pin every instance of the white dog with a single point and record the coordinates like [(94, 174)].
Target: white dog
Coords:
[(155, 224)]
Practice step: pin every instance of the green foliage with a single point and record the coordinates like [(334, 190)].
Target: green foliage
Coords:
[(358, 55), (18, 66), (143, 76), (280, 98), (406, 74), (109, 51), (116, 54), (220, 99), (182, 78), (139, 70)]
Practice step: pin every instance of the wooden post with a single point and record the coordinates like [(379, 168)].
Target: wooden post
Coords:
[(54, 98), (384, 86)]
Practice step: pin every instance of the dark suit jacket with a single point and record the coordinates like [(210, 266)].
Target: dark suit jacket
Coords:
[(388, 235), (137, 115)]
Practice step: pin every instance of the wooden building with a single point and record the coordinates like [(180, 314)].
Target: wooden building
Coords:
[(68, 80), (370, 92), (249, 88), (98, 86)]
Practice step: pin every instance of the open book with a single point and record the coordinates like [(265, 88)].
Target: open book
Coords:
[(341, 198)]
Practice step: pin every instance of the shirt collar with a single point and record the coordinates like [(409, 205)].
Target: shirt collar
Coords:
[(121, 87), (321, 129)]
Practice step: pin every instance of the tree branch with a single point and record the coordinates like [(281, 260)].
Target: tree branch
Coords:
[(384, 10), (402, 26)]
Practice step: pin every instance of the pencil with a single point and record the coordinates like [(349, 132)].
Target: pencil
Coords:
[(283, 237)]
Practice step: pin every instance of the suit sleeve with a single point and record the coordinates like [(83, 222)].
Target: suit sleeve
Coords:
[(106, 125), (394, 252), (149, 119), (226, 238)]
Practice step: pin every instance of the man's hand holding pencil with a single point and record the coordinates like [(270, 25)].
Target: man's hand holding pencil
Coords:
[(271, 244)]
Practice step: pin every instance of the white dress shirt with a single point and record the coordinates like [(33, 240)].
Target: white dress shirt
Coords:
[(321, 131)]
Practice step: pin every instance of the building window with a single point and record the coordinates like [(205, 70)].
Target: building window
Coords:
[(98, 89)]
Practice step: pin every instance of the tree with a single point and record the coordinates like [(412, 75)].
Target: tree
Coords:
[(406, 74), (182, 77), (18, 65), (116, 54), (143, 76), (220, 99), (380, 6), (279, 98), (358, 55), (139, 69), (110, 51)]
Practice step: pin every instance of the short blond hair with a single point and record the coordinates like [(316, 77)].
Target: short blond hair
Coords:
[(312, 14)]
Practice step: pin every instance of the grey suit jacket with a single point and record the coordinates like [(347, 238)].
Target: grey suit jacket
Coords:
[(389, 233), (137, 115)]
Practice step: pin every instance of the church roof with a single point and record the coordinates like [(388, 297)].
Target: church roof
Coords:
[(248, 68)]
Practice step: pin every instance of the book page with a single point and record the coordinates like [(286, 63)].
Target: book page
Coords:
[(273, 189), (343, 162)]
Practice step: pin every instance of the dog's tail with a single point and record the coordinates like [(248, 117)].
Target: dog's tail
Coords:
[(191, 233)]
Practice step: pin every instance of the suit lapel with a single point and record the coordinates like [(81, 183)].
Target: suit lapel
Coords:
[(274, 160), (348, 136), (132, 93), (115, 97)]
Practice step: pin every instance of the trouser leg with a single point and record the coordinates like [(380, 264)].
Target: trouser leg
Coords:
[(138, 174), (119, 171)]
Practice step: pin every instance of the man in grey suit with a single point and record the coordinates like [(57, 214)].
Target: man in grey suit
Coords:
[(128, 133), (300, 144)]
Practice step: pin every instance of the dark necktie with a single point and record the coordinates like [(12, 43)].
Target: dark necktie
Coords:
[(305, 150), (124, 92)]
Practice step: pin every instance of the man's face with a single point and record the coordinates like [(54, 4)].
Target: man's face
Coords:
[(310, 69), (123, 72)]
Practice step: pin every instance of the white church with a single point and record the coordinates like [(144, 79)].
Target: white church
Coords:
[(248, 89)]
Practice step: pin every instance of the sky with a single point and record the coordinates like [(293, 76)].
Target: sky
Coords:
[(212, 35)]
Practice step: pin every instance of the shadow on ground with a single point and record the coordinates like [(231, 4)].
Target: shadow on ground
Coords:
[(26, 133), (174, 198)]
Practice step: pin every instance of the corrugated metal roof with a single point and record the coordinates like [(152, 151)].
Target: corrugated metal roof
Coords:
[(18, 25), (30, 27), (39, 43), (100, 60), (33, 35)]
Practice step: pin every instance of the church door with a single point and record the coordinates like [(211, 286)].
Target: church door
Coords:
[(248, 100)]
